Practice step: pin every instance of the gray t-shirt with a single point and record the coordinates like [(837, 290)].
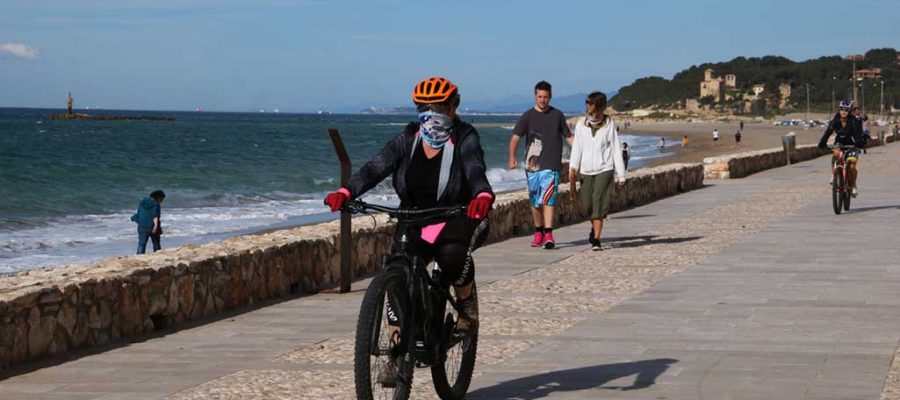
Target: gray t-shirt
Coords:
[(545, 132)]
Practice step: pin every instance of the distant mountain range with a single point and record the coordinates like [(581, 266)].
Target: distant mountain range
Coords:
[(569, 104), (573, 103)]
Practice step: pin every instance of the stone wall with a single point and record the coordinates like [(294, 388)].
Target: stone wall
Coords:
[(51, 311), (743, 164)]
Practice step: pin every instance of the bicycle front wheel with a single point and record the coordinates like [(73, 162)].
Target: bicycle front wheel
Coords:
[(383, 369), (847, 195), (452, 374), (837, 190)]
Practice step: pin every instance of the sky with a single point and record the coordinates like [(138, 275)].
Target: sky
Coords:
[(342, 56)]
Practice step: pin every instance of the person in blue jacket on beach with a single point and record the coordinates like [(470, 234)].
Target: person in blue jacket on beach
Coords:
[(147, 219)]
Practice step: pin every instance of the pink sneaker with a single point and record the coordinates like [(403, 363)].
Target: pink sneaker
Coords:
[(548, 240), (538, 239)]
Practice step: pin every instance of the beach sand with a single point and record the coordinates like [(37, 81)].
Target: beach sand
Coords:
[(755, 136)]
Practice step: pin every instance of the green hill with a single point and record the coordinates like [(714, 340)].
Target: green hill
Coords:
[(824, 75)]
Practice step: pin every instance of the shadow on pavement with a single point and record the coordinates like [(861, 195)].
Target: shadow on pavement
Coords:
[(865, 209), (632, 241), (633, 216), (576, 379)]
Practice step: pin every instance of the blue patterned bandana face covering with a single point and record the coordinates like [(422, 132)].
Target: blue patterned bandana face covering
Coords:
[(435, 128)]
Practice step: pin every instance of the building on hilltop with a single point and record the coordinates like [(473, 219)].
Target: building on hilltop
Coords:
[(758, 89), (784, 94), (872, 73), (715, 86), (711, 86), (856, 57)]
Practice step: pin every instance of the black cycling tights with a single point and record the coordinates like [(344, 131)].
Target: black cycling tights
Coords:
[(452, 252)]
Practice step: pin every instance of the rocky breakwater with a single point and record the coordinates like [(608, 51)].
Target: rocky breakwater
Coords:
[(51, 311)]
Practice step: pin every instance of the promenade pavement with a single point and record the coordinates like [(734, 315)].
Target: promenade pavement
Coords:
[(745, 289)]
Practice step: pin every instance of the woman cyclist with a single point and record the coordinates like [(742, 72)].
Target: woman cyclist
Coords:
[(848, 132), (436, 162)]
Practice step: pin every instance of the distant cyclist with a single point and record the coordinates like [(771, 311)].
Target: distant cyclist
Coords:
[(863, 121), (435, 162), (848, 132)]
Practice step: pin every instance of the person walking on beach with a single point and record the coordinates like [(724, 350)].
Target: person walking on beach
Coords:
[(662, 143), (147, 219), (625, 154), (545, 128), (596, 155), (715, 135), (742, 125), (737, 137), (684, 141)]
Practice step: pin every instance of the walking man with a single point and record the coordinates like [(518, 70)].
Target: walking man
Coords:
[(147, 219), (544, 128), (715, 135)]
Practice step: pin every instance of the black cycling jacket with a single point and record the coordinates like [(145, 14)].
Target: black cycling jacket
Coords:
[(847, 135), (467, 176)]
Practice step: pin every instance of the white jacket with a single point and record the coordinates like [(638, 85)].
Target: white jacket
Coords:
[(593, 154)]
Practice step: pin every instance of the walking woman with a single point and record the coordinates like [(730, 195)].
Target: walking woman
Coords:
[(597, 156)]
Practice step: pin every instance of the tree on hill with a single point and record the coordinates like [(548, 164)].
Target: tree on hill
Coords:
[(826, 76)]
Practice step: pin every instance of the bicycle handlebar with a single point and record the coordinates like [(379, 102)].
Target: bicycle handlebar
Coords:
[(426, 214)]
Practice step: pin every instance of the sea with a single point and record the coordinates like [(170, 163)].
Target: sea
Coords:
[(69, 188)]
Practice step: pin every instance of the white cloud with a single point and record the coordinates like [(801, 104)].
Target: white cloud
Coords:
[(20, 50)]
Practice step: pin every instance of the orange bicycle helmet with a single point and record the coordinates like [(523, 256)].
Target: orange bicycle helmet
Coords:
[(433, 90)]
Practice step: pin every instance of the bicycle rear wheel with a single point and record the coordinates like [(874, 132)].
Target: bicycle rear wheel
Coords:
[(452, 374), (837, 190), (378, 344)]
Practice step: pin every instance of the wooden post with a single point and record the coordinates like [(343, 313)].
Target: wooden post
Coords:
[(346, 242)]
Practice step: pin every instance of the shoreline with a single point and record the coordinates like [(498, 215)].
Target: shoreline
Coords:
[(700, 146), (755, 136)]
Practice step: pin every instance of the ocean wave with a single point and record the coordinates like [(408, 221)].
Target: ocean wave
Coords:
[(84, 238)]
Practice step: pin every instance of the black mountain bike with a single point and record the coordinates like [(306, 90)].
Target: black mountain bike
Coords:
[(404, 321), (840, 188)]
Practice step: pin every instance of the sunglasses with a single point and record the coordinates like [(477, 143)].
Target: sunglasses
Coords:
[(437, 107)]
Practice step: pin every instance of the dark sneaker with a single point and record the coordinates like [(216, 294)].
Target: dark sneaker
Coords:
[(387, 376), (469, 322), (595, 244)]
